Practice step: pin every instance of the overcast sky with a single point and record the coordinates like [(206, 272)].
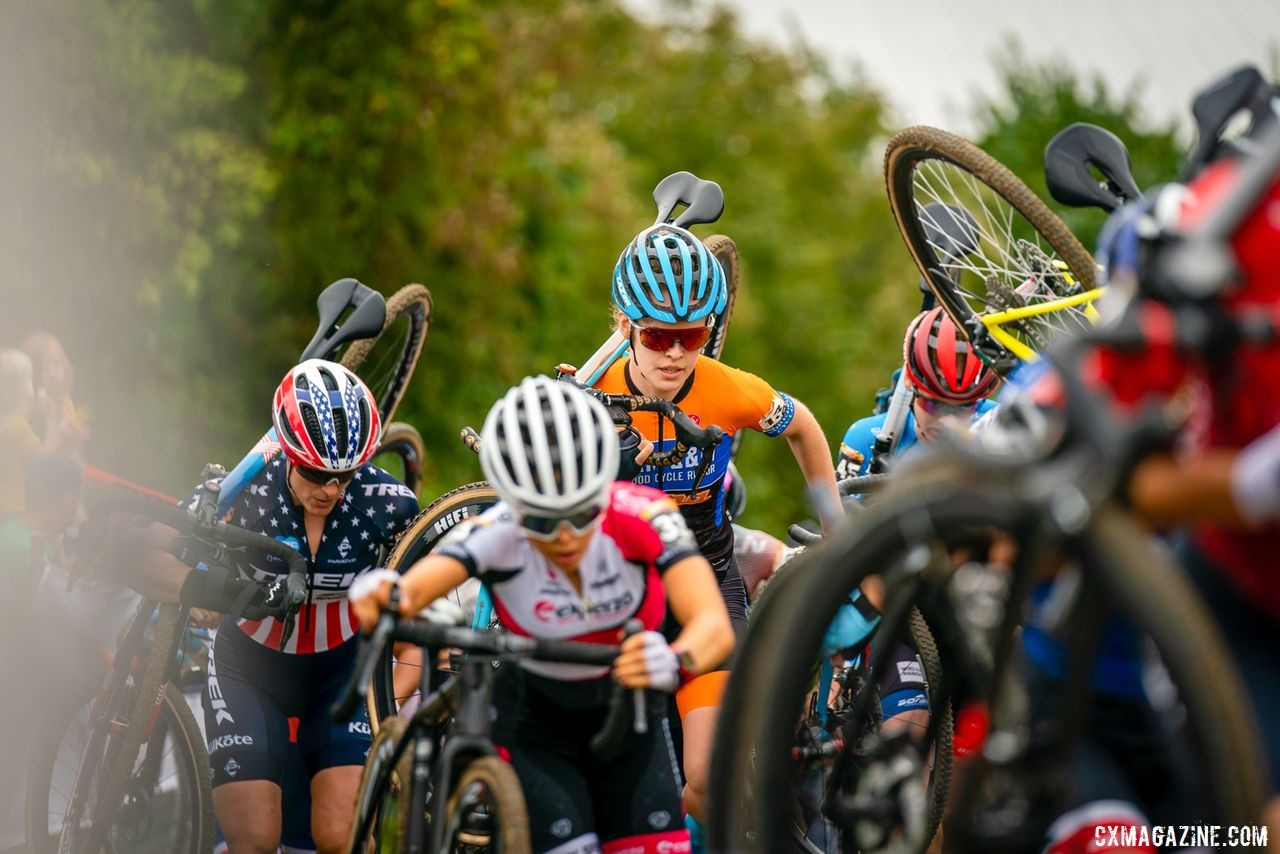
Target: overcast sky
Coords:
[(931, 56)]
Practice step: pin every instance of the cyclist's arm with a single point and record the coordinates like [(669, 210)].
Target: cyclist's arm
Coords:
[(1167, 491), (811, 451), (694, 599), (426, 581)]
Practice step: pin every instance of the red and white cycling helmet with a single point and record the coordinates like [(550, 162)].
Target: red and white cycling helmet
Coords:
[(940, 363), (325, 417)]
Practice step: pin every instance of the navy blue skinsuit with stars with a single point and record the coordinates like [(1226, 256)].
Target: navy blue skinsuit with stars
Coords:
[(256, 682)]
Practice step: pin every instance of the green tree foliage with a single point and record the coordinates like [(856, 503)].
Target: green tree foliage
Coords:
[(193, 172), (1038, 100)]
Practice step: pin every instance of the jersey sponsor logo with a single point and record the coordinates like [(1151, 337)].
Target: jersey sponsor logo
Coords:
[(910, 671), (779, 416), (292, 542), (912, 701), (219, 705), (549, 612), (344, 547), (658, 819), (225, 741), (666, 846), (561, 828), (677, 478), (384, 489), (448, 521), (232, 767), (359, 727), (605, 582)]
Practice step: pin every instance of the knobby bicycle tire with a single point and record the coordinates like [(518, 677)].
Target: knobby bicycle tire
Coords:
[(388, 375), (770, 610), (419, 538), (1161, 599), (502, 785), (1143, 585), (404, 441), (389, 795), (190, 757), (726, 252), (915, 145)]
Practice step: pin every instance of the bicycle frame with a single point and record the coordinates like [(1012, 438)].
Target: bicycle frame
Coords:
[(461, 698), (995, 322)]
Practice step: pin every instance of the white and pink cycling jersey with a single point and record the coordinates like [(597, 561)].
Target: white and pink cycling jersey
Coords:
[(640, 535)]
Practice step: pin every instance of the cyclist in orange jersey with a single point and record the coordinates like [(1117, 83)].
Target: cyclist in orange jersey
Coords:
[(667, 289)]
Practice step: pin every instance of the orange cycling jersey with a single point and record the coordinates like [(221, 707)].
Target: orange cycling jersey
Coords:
[(714, 394)]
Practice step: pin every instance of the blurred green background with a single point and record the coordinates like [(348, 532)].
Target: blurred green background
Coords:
[(184, 176)]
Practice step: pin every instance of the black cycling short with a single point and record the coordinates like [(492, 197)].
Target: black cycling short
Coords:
[(251, 693), (571, 793)]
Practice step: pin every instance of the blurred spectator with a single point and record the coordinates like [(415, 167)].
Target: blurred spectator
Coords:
[(18, 442), (32, 540), (55, 417)]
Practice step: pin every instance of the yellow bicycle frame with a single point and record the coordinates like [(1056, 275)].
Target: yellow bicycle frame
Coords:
[(995, 321)]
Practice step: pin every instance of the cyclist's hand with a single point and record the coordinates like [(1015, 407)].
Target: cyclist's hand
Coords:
[(204, 618), (634, 449), (853, 626), (370, 594), (647, 661)]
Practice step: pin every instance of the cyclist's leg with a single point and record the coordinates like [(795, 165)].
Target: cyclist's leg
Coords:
[(334, 753), (699, 702), (245, 728), (904, 701), (636, 795), (557, 798)]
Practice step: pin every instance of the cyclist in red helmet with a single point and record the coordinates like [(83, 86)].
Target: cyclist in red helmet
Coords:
[(948, 382)]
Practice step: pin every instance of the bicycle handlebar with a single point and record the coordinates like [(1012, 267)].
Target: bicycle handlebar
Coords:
[(391, 629), (862, 483), (231, 535), (688, 433)]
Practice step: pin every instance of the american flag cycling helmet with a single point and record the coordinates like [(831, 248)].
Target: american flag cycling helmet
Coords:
[(325, 417)]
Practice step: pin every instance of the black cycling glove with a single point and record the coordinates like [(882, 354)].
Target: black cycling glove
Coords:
[(217, 588)]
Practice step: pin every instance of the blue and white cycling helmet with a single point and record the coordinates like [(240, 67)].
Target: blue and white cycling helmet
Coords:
[(668, 274)]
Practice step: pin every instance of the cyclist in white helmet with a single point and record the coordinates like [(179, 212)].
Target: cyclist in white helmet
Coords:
[(571, 553)]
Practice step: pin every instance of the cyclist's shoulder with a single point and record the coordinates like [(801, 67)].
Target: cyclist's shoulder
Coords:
[(373, 485), (864, 431), (628, 499)]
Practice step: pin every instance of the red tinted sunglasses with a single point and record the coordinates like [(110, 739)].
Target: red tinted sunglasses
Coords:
[(661, 340)]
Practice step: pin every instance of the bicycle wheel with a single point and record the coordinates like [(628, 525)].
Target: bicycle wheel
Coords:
[(1014, 784), (726, 252), (386, 363), (384, 790), (109, 760), (983, 241), (167, 805), (486, 810), (401, 453), (822, 720), (422, 535)]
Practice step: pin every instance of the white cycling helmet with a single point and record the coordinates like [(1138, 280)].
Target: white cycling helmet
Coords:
[(549, 448)]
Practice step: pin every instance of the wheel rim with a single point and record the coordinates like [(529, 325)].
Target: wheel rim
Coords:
[(1004, 260)]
